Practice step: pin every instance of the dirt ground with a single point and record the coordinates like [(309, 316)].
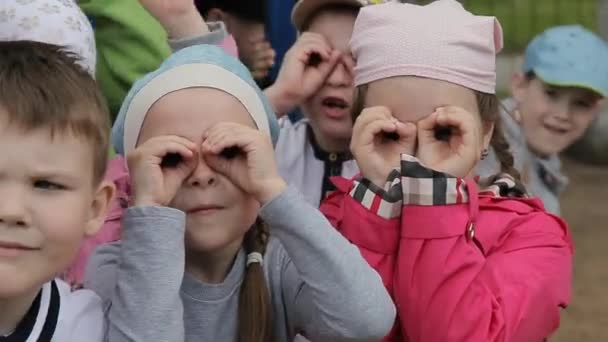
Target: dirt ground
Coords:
[(585, 207)]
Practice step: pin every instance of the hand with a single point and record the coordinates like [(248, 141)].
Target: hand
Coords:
[(179, 18), (253, 169), (262, 60), (456, 153), (152, 184), (298, 79), (378, 142)]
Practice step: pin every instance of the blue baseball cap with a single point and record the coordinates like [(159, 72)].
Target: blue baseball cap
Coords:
[(569, 56)]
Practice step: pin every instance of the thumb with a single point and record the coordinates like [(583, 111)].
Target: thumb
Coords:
[(407, 134), (175, 176), (426, 128), (218, 163)]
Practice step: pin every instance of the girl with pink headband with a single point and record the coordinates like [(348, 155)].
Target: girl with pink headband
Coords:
[(465, 259)]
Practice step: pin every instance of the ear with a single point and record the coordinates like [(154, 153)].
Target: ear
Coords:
[(99, 207), (215, 14), (519, 86), (488, 131), (599, 106)]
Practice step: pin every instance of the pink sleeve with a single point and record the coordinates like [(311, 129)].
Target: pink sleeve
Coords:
[(506, 282), (229, 46), (110, 231), (369, 218), (362, 214)]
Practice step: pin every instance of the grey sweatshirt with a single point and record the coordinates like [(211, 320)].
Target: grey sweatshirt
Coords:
[(320, 285)]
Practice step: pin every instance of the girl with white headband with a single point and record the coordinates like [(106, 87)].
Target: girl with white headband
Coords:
[(215, 246), (465, 259)]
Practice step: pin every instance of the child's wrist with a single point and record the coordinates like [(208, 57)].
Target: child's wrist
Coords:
[(188, 25), (281, 100), (271, 190)]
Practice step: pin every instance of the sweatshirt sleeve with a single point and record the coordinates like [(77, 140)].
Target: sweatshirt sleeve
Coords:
[(217, 35), (459, 278), (149, 263), (339, 296)]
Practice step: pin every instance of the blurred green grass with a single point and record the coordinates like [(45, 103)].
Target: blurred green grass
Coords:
[(523, 19)]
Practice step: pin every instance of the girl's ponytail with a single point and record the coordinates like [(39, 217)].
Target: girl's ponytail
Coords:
[(255, 310)]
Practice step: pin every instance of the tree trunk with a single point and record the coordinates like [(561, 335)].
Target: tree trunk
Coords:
[(593, 147)]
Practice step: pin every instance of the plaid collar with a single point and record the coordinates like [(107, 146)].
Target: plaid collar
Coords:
[(416, 184)]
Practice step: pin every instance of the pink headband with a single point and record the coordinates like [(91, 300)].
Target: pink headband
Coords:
[(441, 41)]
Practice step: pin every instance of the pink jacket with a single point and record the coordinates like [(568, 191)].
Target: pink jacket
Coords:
[(110, 232), (461, 264)]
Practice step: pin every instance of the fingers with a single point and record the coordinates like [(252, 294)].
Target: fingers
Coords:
[(370, 123), (407, 136), (326, 68), (263, 59), (368, 115), (159, 147), (228, 135), (461, 121), (349, 63), (310, 43)]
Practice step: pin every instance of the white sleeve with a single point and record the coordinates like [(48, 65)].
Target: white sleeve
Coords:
[(80, 317)]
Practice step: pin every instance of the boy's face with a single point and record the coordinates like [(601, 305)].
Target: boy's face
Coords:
[(553, 117), (329, 109), (189, 113), (49, 203)]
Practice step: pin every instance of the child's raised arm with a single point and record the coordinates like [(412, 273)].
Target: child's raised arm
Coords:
[(186, 27), (329, 290)]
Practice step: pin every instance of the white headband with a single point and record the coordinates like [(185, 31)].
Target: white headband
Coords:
[(190, 76)]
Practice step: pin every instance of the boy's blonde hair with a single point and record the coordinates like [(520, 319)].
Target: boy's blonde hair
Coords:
[(42, 86)]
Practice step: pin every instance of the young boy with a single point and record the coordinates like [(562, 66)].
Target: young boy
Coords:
[(54, 129), (246, 21), (312, 150), (556, 97)]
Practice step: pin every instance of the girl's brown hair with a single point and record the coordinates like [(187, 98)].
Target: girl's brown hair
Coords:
[(255, 310), (489, 109)]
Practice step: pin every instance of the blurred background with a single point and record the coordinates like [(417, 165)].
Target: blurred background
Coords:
[(585, 203)]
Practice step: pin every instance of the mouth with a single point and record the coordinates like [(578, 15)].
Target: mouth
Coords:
[(335, 107), (205, 209), (13, 249), (555, 129)]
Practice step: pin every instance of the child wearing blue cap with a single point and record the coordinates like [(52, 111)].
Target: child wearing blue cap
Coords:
[(215, 246), (555, 98)]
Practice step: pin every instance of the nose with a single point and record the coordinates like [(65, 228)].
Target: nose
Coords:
[(339, 77), (13, 208), (561, 109), (203, 175)]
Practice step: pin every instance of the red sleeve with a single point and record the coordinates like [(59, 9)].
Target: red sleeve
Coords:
[(369, 217), (506, 282)]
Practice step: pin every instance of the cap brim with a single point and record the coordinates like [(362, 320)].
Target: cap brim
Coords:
[(567, 81), (303, 9)]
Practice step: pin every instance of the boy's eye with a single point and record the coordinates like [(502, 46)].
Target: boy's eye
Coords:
[(47, 185), (552, 93), (583, 104)]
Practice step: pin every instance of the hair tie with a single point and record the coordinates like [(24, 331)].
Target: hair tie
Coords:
[(254, 257)]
